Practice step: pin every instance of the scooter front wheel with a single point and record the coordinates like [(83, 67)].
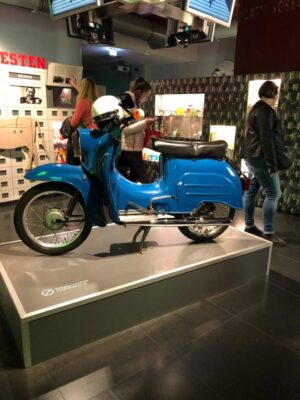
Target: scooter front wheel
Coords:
[(200, 232), (50, 218)]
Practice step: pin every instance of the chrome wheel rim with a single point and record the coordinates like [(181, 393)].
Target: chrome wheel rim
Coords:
[(218, 211), (45, 223)]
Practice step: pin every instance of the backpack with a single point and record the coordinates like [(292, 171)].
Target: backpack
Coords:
[(66, 129)]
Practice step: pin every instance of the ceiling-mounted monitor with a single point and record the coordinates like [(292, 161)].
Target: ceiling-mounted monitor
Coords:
[(65, 8), (89, 27), (218, 11)]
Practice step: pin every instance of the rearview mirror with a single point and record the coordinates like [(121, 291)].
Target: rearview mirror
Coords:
[(126, 101)]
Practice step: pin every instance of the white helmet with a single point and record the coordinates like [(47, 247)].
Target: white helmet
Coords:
[(106, 107)]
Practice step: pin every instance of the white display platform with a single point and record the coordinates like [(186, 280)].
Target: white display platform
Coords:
[(54, 304)]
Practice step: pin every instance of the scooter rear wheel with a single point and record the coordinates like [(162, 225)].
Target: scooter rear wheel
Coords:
[(202, 233), (42, 223)]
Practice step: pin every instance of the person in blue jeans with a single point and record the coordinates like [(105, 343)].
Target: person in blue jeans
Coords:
[(263, 150)]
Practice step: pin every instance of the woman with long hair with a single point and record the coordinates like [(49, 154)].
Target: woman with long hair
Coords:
[(82, 117)]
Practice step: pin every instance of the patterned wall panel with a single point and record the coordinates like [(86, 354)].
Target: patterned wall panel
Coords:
[(226, 104), (289, 113)]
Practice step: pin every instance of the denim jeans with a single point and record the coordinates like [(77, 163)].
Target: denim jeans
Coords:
[(271, 188)]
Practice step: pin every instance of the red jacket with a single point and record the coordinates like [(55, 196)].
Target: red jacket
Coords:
[(83, 115)]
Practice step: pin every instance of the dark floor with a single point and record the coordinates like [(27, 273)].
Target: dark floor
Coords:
[(241, 344)]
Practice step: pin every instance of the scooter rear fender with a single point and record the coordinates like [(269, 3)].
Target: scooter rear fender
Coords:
[(87, 185)]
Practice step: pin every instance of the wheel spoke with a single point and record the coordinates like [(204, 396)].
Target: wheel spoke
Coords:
[(44, 215), (37, 225), (56, 237), (34, 212)]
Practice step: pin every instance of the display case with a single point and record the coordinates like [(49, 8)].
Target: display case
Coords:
[(253, 89), (179, 115), (224, 132)]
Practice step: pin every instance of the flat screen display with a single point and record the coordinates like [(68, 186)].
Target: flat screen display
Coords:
[(218, 11), (64, 8), (63, 97)]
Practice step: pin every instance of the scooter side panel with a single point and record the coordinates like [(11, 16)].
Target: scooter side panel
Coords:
[(212, 181), (179, 191), (74, 176)]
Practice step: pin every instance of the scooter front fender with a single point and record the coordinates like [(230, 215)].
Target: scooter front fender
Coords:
[(87, 185)]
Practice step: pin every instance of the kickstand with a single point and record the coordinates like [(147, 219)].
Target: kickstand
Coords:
[(145, 230)]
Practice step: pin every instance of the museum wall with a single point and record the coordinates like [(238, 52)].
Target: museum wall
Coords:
[(21, 31), (29, 42), (209, 55), (114, 80)]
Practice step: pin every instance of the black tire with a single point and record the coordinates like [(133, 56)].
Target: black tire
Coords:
[(38, 219), (206, 233)]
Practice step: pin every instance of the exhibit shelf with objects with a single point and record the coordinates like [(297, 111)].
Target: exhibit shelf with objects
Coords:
[(179, 115), (55, 304), (30, 117)]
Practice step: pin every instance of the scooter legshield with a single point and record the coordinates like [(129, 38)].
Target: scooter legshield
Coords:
[(74, 176)]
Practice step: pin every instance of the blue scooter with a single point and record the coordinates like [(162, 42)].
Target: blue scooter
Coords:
[(198, 191)]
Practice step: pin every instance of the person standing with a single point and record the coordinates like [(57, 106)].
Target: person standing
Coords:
[(132, 142), (263, 150), (82, 117)]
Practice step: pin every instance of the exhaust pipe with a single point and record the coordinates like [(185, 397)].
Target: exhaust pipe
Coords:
[(179, 222)]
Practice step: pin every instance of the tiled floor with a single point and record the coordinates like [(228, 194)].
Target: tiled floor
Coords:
[(241, 344)]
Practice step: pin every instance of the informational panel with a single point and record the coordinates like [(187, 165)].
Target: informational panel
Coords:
[(218, 11)]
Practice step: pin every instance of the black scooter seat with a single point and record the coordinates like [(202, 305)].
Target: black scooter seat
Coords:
[(190, 149)]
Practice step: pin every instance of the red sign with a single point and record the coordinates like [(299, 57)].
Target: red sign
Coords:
[(22, 59)]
